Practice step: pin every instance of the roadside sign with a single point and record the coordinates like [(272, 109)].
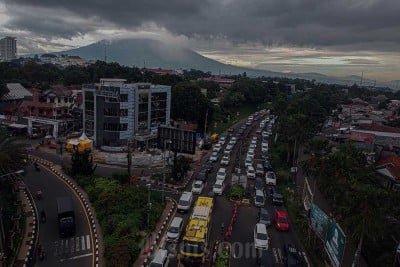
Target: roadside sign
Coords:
[(179, 140), (319, 221), (334, 244)]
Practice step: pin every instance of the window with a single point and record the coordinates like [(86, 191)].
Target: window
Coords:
[(123, 98), (116, 112), (115, 127)]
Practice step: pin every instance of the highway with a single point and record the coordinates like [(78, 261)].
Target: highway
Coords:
[(243, 251), (71, 251)]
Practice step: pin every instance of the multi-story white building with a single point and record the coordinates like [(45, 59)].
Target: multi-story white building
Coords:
[(8, 48), (115, 112)]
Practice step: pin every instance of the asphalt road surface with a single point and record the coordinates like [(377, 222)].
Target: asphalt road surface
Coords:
[(71, 251), (242, 241)]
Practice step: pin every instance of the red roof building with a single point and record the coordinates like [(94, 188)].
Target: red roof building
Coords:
[(390, 168), (219, 80)]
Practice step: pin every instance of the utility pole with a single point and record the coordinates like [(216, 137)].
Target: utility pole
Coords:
[(129, 156), (163, 183), (148, 205)]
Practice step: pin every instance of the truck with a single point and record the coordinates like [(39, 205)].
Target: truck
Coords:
[(66, 216)]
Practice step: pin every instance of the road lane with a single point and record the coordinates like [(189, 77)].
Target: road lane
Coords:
[(71, 251)]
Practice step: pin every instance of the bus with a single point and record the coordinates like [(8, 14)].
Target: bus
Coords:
[(195, 241)]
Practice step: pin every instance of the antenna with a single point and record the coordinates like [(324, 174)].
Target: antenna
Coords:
[(105, 51), (362, 76)]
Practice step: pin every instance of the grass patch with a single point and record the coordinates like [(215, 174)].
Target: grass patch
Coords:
[(221, 117)]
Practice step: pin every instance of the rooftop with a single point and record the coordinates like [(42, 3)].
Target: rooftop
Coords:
[(16, 91)]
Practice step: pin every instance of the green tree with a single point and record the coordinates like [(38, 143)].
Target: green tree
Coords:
[(188, 103), (82, 163)]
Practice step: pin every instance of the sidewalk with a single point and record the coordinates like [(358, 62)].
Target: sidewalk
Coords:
[(28, 243), (154, 241), (322, 203)]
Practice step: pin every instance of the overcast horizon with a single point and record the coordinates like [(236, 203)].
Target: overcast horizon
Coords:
[(332, 37)]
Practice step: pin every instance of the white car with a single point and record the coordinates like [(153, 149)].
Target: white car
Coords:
[(248, 162), (229, 148), (217, 147), (214, 157), (233, 139), (250, 154), (218, 187), (264, 147), (270, 178), (221, 174), (225, 160), (261, 238), (251, 173), (197, 187), (252, 146)]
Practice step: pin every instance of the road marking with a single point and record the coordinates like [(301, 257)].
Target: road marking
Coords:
[(83, 242), (275, 255), (87, 242), (76, 257), (72, 245), (306, 259), (66, 245), (280, 256), (77, 247), (55, 248)]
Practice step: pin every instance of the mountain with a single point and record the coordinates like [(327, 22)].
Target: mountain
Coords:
[(156, 54)]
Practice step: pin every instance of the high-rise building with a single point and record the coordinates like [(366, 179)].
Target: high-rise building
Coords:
[(115, 112), (8, 48)]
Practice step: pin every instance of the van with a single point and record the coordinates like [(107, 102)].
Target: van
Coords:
[(185, 202), (174, 230), (260, 170), (160, 259)]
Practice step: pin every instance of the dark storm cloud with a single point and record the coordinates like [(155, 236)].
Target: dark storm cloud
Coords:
[(309, 23)]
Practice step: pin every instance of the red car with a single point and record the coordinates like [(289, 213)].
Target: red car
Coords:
[(281, 221)]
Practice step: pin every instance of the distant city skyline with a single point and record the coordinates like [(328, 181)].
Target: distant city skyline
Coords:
[(332, 37)]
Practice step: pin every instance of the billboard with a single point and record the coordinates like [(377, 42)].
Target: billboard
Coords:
[(177, 140), (319, 221), (334, 244), (307, 195)]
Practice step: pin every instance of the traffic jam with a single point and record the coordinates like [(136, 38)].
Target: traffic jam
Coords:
[(257, 228)]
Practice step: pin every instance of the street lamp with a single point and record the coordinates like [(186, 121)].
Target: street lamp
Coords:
[(148, 205), (163, 184), (11, 173)]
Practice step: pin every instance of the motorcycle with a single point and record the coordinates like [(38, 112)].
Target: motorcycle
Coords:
[(42, 216), (36, 167), (39, 194)]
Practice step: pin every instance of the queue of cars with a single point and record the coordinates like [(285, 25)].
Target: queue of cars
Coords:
[(257, 168)]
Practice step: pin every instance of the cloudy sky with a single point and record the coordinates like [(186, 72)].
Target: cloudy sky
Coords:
[(334, 37)]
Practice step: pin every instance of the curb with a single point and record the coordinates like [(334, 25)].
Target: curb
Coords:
[(72, 185), (159, 234), (30, 254)]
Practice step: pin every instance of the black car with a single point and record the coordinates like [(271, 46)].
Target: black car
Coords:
[(267, 166), (202, 176), (208, 167), (264, 258), (277, 198), (259, 184), (292, 257)]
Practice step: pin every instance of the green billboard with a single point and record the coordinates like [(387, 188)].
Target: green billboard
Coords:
[(334, 244)]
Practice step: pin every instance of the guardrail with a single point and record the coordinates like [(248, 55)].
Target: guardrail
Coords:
[(155, 244), (73, 186)]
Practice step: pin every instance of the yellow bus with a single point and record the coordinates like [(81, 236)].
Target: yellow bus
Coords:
[(195, 240)]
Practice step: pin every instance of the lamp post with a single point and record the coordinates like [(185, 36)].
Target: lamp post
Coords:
[(148, 204), (163, 184)]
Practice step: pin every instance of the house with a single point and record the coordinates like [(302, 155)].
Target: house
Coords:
[(389, 169), (11, 101)]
